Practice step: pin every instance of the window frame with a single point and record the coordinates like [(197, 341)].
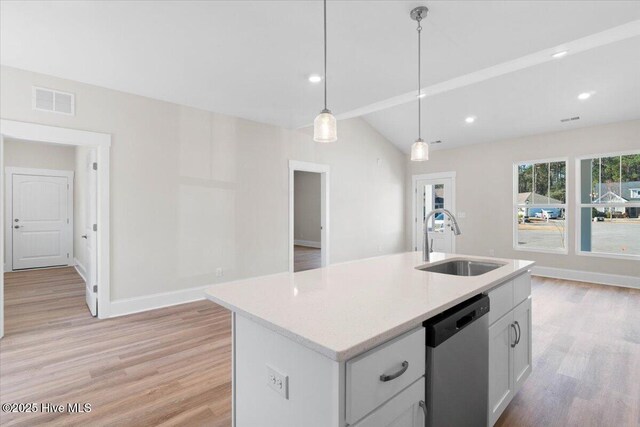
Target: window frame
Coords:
[(580, 205), (516, 205)]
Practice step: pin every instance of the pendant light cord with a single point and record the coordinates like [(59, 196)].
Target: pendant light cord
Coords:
[(325, 55), (419, 19)]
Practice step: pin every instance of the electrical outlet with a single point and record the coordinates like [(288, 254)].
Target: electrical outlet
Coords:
[(278, 382), (461, 215), (219, 272)]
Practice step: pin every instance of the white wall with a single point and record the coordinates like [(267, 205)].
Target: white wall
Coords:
[(484, 180), (307, 205), (193, 190), (24, 154)]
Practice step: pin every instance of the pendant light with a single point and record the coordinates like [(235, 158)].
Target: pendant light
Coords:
[(419, 149), (324, 126)]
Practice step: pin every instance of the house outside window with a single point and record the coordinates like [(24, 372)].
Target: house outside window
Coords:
[(540, 192), (609, 205)]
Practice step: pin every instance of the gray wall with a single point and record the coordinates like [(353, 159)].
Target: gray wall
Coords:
[(484, 180), (193, 190), (307, 205)]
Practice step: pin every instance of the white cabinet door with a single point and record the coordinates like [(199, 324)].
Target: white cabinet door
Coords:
[(501, 337), (522, 350), (404, 410), (40, 221)]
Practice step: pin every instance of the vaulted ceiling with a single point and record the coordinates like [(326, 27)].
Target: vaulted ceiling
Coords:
[(487, 59)]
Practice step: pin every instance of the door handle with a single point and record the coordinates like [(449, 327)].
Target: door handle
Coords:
[(519, 333), (384, 377), (423, 405), (18, 226), (515, 342), (84, 236)]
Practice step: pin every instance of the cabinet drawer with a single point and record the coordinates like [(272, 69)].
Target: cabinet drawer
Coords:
[(521, 288), (402, 410), (366, 390), (501, 300)]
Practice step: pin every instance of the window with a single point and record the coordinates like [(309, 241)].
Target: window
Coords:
[(609, 205), (540, 206)]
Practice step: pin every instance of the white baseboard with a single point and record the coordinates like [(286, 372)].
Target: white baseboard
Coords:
[(80, 269), (308, 243), (125, 306), (587, 276)]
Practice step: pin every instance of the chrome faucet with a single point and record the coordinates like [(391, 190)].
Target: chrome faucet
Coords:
[(426, 250)]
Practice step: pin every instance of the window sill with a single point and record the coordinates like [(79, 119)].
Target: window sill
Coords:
[(611, 256), (542, 250)]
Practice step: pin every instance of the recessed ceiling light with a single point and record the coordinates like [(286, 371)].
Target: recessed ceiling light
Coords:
[(315, 78), (560, 54), (470, 119), (584, 95)]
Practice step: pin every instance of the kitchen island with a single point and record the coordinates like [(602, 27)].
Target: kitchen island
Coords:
[(305, 344)]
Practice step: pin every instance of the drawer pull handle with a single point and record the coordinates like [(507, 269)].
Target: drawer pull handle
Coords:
[(384, 378)]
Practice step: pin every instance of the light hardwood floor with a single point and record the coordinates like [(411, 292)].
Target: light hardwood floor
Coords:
[(306, 258), (586, 358), (172, 366), (164, 367)]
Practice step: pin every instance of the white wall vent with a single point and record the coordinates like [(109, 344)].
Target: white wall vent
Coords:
[(53, 101)]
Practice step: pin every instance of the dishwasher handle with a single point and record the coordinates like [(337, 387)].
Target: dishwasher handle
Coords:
[(384, 377)]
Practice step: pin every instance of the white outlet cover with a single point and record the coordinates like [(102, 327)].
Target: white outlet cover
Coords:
[(278, 382)]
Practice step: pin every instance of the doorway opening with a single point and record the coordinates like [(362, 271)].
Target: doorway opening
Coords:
[(54, 225), (434, 191), (308, 216)]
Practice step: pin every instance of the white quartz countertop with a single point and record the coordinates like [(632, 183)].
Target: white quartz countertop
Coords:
[(345, 309)]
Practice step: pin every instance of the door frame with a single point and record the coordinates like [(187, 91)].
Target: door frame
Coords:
[(33, 132), (8, 204), (324, 171), (414, 203)]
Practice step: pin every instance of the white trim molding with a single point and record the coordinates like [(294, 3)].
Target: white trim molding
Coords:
[(82, 271), (122, 307), (587, 276), (325, 180)]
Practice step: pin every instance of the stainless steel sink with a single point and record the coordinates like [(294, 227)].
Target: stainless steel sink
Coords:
[(462, 267)]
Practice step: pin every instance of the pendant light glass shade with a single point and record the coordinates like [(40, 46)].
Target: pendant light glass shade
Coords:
[(419, 151), (325, 128)]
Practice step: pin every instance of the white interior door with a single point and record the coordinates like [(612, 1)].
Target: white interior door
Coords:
[(90, 236), (40, 223), (434, 194)]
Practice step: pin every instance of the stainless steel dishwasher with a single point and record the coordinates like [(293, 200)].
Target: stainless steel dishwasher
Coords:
[(458, 365)]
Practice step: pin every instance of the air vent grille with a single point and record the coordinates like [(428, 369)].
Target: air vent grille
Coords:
[(53, 101)]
